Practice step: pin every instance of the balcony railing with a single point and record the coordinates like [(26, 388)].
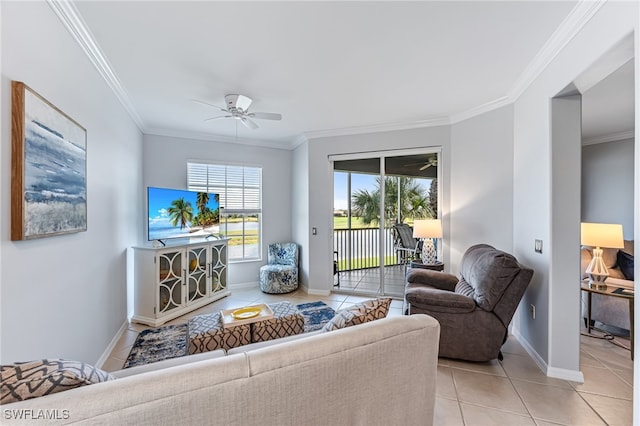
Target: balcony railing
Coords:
[(357, 248)]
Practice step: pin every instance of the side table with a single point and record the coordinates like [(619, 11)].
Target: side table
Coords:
[(438, 266), (612, 291)]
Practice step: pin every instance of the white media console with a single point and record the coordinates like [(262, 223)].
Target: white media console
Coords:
[(175, 279)]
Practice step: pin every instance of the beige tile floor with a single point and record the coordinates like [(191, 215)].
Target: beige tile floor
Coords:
[(511, 392)]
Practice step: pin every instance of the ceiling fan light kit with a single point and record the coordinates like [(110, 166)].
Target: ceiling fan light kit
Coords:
[(238, 108)]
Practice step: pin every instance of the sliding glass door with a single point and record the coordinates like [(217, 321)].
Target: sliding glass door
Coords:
[(372, 194)]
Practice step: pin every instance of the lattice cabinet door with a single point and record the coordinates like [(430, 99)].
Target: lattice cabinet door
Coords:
[(170, 280), (197, 273), (218, 268)]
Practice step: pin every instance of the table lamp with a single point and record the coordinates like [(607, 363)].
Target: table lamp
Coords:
[(427, 230), (600, 235)]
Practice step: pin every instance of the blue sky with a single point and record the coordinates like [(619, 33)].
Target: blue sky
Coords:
[(358, 181), (160, 200)]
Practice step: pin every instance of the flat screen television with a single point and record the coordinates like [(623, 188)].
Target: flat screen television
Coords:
[(178, 213)]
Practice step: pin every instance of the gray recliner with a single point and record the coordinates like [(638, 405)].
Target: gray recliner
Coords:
[(475, 310)]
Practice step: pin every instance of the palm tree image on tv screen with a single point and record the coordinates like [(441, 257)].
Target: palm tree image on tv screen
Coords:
[(175, 213)]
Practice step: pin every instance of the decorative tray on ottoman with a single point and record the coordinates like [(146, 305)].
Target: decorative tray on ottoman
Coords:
[(246, 315)]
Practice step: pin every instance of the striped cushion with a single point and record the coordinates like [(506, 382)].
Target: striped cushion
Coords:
[(359, 313), (465, 289), (32, 379)]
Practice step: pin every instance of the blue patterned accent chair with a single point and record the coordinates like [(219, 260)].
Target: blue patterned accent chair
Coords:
[(280, 275)]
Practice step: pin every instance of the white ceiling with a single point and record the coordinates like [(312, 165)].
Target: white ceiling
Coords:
[(327, 67), (607, 107)]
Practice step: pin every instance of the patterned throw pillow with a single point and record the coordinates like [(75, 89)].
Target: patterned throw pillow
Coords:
[(32, 379), (359, 313)]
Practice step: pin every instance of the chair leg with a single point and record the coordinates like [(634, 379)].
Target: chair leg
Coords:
[(500, 356)]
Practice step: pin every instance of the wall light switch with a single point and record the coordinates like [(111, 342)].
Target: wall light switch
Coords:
[(538, 246), (314, 231)]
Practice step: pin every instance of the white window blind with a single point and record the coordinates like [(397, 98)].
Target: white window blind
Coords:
[(239, 187), (240, 195)]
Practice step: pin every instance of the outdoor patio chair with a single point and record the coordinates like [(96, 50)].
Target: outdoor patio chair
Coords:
[(406, 246)]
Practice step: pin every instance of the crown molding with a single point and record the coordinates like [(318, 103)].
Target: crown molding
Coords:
[(611, 137), (186, 134), (70, 17), (439, 120), (299, 140), (481, 109), (569, 27)]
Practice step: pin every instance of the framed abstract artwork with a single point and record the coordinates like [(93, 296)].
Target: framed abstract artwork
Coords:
[(48, 168)]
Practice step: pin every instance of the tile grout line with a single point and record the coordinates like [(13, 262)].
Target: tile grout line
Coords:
[(455, 387), (524, 404), (592, 408)]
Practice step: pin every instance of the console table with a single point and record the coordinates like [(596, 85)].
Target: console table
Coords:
[(170, 281), (608, 291)]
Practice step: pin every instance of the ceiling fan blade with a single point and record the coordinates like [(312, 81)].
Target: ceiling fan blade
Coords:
[(208, 104), (266, 115), (249, 123), (219, 116)]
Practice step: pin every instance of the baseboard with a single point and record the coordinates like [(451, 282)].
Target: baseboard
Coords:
[(253, 284), (107, 352), (316, 292), (558, 373), (564, 374)]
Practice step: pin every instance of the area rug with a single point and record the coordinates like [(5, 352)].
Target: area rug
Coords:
[(316, 315), (156, 344), (172, 341)]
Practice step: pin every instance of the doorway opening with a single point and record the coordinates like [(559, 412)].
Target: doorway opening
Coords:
[(373, 193)]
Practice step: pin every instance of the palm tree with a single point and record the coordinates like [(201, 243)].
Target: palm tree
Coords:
[(202, 198), (206, 217), (413, 201), (433, 198), (180, 212)]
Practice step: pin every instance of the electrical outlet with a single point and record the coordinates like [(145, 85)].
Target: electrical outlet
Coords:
[(532, 309), (538, 246)]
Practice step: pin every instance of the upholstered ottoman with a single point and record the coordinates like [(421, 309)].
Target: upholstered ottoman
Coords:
[(207, 334), (286, 321)]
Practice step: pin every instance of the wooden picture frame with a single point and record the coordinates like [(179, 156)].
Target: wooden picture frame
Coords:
[(48, 168)]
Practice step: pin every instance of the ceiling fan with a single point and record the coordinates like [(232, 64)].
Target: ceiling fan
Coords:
[(238, 108), (430, 162)]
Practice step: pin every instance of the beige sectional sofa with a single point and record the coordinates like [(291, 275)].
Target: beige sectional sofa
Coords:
[(378, 373)]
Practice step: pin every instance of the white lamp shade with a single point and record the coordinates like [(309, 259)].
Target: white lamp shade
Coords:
[(601, 235), (427, 228)]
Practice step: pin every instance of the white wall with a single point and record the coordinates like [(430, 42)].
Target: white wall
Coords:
[(534, 190), (565, 232), (64, 296), (607, 184), (482, 182), (165, 165), (300, 193)]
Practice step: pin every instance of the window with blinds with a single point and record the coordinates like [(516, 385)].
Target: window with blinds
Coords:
[(240, 191)]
